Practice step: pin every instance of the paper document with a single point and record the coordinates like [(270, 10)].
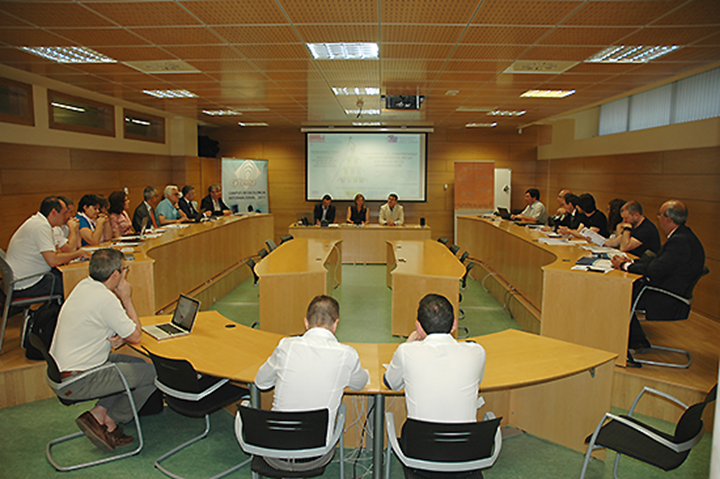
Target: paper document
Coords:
[(593, 237), (554, 241)]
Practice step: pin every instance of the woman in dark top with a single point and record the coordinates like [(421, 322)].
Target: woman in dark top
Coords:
[(357, 214), (613, 214)]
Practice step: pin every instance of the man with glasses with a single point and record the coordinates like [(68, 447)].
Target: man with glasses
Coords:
[(213, 202), (678, 263), (97, 316)]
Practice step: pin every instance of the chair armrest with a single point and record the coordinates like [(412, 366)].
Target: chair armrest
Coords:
[(669, 293), (657, 393), (677, 448), (15, 280), (186, 396)]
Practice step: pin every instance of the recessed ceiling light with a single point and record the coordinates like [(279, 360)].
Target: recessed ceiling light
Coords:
[(221, 112), (250, 108), (539, 67), (368, 90), (68, 107), (162, 66), (69, 54), (170, 93), (136, 121), (475, 108), (506, 113), (481, 125), (344, 51), (547, 93), (364, 112), (366, 123), (452, 92), (631, 54), (253, 124)]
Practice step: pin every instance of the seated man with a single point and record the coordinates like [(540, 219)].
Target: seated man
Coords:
[(440, 375), (168, 212), (678, 263), (534, 211), (213, 204), (310, 371), (565, 211), (32, 250), (324, 211), (67, 236), (391, 213), (97, 316), (589, 217), (146, 209), (636, 234), (186, 202)]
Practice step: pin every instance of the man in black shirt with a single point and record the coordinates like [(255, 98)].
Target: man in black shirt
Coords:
[(587, 216), (637, 234)]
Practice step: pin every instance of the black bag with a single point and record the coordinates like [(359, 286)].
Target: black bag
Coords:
[(41, 321)]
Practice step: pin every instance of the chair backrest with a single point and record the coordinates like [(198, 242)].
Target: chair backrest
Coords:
[(285, 238), (469, 266), (443, 240), (53, 371), (263, 252), (284, 430), (691, 287), (449, 442), (270, 244), (464, 256), (691, 423), (7, 277), (177, 374), (454, 248)]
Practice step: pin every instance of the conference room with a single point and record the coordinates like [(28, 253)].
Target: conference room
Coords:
[(259, 92)]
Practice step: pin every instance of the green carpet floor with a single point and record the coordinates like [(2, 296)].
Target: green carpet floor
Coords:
[(364, 317)]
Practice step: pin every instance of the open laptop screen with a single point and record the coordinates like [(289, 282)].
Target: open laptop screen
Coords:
[(185, 312)]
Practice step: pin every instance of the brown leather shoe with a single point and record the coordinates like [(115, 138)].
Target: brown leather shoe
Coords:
[(94, 431), (118, 437)]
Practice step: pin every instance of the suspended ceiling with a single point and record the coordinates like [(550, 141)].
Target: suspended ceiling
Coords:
[(251, 54)]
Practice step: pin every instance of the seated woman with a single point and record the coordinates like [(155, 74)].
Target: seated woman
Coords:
[(119, 219), (613, 216), (358, 214), (93, 224)]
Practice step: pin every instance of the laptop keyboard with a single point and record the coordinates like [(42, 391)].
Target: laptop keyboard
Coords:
[(170, 328)]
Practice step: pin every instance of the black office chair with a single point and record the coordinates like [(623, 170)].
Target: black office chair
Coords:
[(454, 249), (262, 253), (8, 288), (445, 448), (286, 238), (56, 383), (443, 240), (463, 281), (251, 264), (193, 395), (630, 437), (270, 244), (687, 300), (464, 256), (289, 444)]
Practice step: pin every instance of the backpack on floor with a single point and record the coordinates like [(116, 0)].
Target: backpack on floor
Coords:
[(41, 321)]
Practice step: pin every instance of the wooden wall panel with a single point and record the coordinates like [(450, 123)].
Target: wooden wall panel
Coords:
[(30, 173)]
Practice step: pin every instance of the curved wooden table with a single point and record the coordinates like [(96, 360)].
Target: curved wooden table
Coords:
[(554, 389), (291, 276), (414, 269), (591, 309), (362, 244), (184, 259)]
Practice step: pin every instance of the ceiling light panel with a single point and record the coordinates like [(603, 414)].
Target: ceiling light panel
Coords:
[(170, 94), (222, 112), (631, 54), (506, 113), (345, 91), (363, 112), (481, 125), (69, 54), (344, 51), (547, 93), (253, 124)]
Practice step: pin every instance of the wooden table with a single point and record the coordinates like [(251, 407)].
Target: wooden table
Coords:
[(183, 260), (291, 276), (591, 309), (417, 268), (363, 244), (554, 389)]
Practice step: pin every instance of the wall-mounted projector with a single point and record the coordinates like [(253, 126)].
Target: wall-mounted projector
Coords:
[(403, 102)]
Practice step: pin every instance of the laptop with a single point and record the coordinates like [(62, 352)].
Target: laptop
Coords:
[(182, 321), (503, 212)]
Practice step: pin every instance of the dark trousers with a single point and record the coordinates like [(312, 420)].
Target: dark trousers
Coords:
[(44, 286), (637, 335)]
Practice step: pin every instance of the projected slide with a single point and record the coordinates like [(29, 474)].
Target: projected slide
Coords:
[(374, 164)]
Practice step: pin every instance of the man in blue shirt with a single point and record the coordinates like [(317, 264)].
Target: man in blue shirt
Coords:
[(168, 211)]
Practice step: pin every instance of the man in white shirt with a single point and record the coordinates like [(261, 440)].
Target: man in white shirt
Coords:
[(67, 237), (311, 371), (32, 251), (391, 213), (534, 211), (99, 315), (440, 375)]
